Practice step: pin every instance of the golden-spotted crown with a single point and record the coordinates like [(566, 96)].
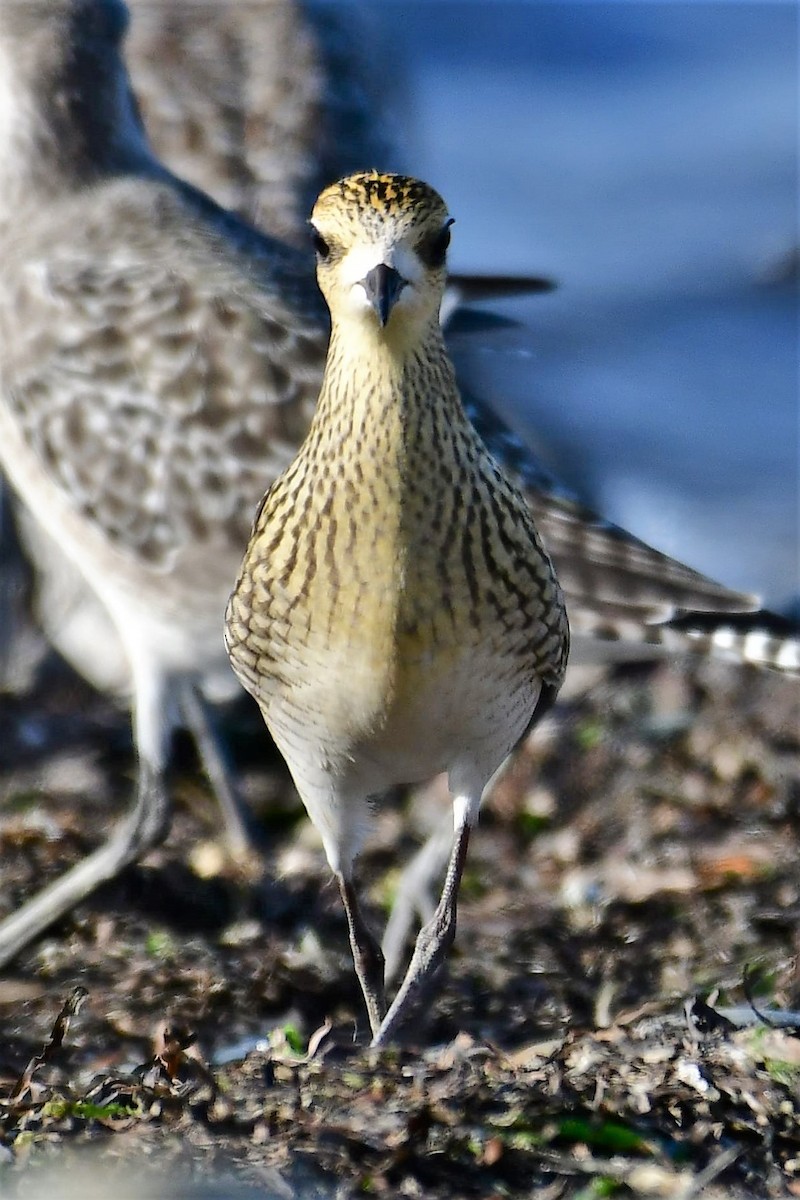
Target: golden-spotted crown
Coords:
[(370, 197)]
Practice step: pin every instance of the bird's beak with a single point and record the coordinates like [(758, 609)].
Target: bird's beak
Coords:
[(383, 286)]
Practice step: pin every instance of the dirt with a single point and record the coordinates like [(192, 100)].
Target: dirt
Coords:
[(627, 935)]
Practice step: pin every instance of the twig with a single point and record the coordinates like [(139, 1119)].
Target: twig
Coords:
[(60, 1028), (710, 1172)]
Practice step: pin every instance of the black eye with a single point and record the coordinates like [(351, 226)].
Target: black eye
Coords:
[(320, 245), (433, 253)]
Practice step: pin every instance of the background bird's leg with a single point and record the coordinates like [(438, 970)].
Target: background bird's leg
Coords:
[(433, 942), (414, 900), (142, 829), (200, 721), (367, 955)]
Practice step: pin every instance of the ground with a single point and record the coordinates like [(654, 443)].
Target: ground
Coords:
[(630, 908)]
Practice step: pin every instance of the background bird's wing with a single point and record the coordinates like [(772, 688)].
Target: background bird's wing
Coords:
[(625, 599), (166, 378), (263, 104)]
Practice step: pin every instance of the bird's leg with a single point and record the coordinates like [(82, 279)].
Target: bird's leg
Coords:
[(215, 761), (142, 829), (433, 943), (414, 898), (367, 954)]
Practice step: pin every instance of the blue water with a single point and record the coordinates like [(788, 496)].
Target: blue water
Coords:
[(645, 155)]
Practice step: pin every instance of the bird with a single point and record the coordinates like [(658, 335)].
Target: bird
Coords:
[(160, 361), (396, 614)]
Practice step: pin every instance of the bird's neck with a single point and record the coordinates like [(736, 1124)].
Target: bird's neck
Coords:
[(385, 394)]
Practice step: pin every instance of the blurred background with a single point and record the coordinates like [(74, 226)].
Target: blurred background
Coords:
[(646, 156)]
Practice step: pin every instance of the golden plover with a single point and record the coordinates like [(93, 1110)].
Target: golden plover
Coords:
[(158, 360), (396, 614)]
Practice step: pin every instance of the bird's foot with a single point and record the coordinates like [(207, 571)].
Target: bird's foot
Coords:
[(139, 832), (433, 943), (367, 955)]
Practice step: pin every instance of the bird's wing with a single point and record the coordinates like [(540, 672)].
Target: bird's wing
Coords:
[(627, 601), (620, 577), (162, 378), (614, 583), (262, 104)]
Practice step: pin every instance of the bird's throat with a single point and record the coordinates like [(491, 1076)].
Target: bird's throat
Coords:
[(376, 402)]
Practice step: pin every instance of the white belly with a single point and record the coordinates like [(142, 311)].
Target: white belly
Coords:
[(463, 720)]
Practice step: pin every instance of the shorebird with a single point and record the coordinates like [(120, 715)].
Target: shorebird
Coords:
[(159, 359), (396, 614), (159, 364)]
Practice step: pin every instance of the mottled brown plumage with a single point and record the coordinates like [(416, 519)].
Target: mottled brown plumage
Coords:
[(158, 361), (396, 614), (261, 102)]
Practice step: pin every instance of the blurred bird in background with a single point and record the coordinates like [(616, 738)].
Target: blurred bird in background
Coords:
[(159, 361)]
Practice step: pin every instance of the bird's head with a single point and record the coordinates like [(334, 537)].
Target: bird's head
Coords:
[(381, 244)]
